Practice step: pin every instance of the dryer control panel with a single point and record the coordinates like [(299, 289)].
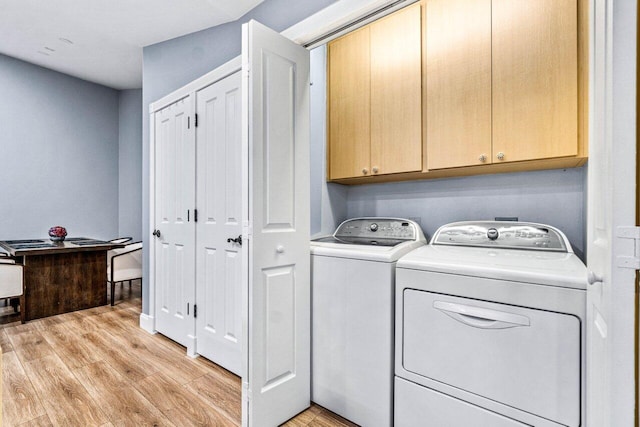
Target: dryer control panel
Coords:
[(502, 234)]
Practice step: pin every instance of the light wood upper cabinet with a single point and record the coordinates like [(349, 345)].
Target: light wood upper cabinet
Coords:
[(374, 98), (535, 79), (349, 105), (460, 87), (502, 87), (458, 83), (396, 99)]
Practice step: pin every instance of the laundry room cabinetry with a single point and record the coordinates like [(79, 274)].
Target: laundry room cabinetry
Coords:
[(457, 82), (504, 86), (374, 98), (535, 79)]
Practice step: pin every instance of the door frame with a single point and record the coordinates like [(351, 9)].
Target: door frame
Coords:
[(619, 401)]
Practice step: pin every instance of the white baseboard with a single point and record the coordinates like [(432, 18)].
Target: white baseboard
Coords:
[(191, 346), (148, 323)]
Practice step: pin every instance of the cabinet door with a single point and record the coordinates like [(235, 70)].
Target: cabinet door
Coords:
[(349, 105), (174, 201), (219, 192), (458, 83), (396, 93), (535, 81)]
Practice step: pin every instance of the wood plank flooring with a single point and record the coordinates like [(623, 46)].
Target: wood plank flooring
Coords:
[(96, 367)]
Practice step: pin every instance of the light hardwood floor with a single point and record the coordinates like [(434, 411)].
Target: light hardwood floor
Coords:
[(96, 367)]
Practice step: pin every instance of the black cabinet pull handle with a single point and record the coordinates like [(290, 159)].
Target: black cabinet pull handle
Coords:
[(156, 233)]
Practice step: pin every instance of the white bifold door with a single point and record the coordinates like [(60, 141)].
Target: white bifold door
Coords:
[(276, 377), (174, 226), (219, 195), (231, 220)]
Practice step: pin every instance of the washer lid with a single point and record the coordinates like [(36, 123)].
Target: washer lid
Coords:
[(561, 269), (363, 252), (503, 234), (371, 238)]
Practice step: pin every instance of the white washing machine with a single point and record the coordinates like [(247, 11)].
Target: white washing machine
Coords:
[(490, 328), (353, 276)]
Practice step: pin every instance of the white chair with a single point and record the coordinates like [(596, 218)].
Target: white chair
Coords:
[(11, 282), (124, 264)]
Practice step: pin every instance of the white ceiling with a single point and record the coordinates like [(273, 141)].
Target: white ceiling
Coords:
[(101, 40)]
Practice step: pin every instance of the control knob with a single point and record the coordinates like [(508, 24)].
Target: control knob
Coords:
[(492, 234), (373, 227)]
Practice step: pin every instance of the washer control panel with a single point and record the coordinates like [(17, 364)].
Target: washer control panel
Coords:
[(502, 234), (377, 228)]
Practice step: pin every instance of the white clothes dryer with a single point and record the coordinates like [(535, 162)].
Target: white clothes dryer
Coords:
[(353, 276), (490, 328)]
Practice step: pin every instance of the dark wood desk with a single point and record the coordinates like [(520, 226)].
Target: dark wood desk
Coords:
[(60, 277)]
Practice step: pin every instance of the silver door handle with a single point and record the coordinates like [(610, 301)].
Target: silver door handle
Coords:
[(479, 317)]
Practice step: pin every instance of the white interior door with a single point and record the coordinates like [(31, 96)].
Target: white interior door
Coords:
[(276, 377), (219, 192), (174, 199), (611, 205)]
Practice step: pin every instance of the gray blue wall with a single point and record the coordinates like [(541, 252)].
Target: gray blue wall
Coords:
[(130, 164), (59, 153), (328, 200), (555, 197), (171, 64)]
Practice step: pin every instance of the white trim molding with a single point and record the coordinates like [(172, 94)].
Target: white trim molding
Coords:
[(340, 18), (148, 323)]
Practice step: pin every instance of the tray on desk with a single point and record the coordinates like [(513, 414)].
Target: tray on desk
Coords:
[(38, 245), (89, 242)]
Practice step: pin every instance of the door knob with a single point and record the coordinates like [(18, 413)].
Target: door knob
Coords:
[(365, 171), (500, 156), (156, 233), (237, 240), (374, 169), (593, 278), (482, 158)]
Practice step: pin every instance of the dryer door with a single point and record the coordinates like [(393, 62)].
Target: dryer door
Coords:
[(525, 358)]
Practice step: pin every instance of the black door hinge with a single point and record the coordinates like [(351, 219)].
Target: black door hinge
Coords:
[(188, 122), (195, 311), (195, 120), (187, 309), (195, 215)]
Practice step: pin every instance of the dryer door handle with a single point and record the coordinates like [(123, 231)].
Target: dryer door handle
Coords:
[(479, 317)]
